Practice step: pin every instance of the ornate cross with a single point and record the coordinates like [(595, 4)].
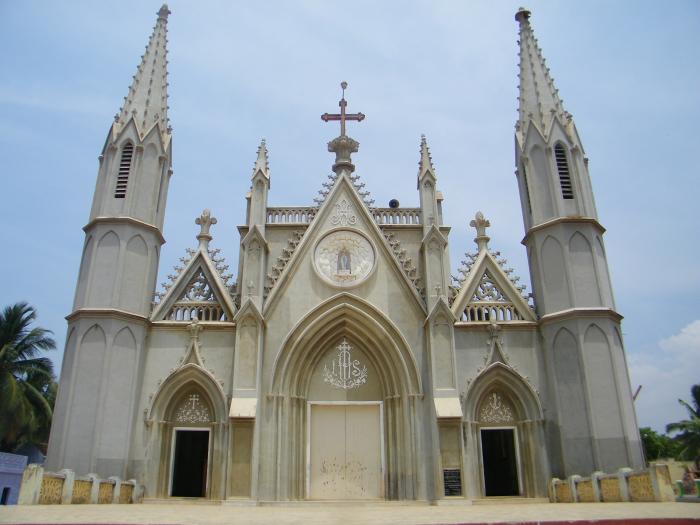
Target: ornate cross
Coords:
[(194, 399), (342, 116)]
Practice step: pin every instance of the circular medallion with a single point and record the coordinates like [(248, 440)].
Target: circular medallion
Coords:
[(344, 258)]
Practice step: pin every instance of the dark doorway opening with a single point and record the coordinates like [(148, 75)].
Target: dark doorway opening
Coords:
[(500, 462), (190, 461), (5, 498)]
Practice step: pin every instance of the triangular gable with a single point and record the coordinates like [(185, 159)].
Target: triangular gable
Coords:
[(197, 291), (441, 308), (487, 284), (311, 235)]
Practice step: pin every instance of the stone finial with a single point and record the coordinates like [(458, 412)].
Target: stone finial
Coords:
[(194, 327), (343, 147), (523, 15), (163, 12), (480, 223), (204, 221), (262, 163)]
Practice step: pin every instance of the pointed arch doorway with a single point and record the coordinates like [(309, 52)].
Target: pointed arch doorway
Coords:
[(190, 447), (344, 393), (345, 427), (498, 440), (504, 436)]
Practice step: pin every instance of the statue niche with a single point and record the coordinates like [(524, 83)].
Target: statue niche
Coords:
[(344, 266)]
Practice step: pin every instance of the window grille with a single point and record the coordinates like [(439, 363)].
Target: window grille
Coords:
[(124, 169), (567, 190)]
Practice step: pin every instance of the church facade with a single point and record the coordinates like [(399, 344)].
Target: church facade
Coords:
[(343, 361)]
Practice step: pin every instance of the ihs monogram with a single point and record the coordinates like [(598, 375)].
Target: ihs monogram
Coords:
[(343, 214)]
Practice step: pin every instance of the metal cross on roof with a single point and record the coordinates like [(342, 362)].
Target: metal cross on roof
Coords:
[(342, 116)]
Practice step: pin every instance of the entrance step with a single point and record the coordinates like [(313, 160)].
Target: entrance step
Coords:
[(343, 503), (182, 501), (506, 500)]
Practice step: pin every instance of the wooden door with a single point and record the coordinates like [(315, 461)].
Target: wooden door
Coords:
[(345, 460)]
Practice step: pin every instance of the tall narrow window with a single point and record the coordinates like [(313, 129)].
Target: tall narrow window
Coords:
[(567, 190), (527, 190), (124, 169)]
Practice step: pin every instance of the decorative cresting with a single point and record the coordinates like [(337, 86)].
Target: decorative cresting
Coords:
[(496, 411), (406, 263), (344, 258), (192, 410), (282, 260), (345, 372), (357, 184)]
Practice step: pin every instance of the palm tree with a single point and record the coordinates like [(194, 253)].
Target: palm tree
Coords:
[(26, 379), (689, 429)]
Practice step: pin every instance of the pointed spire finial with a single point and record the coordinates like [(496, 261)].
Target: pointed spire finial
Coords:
[(480, 224), (163, 12), (538, 99), (426, 161), (262, 162), (147, 99), (204, 221), (523, 15)]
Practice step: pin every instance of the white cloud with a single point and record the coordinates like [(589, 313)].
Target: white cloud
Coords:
[(666, 375)]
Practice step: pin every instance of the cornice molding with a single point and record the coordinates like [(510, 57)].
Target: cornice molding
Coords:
[(107, 312), (126, 220), (577, 313), (562, 220)]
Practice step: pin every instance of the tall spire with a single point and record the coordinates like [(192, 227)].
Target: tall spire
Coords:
[(538, 98), (147, 101)]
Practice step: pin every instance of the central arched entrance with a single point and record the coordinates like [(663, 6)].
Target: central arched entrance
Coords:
[(345, 388), (345, 427)]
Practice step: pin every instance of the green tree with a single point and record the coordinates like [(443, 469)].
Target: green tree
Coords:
[(27, 386), (657, 445), (688, 430)]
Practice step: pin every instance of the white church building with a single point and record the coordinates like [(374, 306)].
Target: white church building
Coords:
[(343, 360)]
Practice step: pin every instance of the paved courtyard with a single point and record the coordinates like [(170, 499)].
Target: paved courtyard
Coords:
[(384, 513)]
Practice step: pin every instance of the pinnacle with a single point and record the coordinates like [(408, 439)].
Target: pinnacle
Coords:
[(538, 98), (147, 99), (262, 162), (426, 161)]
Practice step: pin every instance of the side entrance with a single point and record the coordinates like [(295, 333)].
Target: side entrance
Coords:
[(345, 457)]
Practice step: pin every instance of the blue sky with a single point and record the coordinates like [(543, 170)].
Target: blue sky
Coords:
[(240, 71)]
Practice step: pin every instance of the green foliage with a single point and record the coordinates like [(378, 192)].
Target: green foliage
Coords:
[(688, 430), (657, 445), (27, 385)]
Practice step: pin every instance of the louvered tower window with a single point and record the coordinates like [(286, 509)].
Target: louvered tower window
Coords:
[(124, 169), (567, 190)]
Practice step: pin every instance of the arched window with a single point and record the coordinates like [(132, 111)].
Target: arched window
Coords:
[(124, 169), (567, 191)]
